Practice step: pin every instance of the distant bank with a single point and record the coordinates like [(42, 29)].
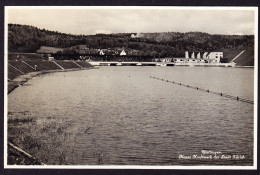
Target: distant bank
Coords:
[(23, 66)]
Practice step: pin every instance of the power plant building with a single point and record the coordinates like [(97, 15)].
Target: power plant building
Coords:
[(195, 57)]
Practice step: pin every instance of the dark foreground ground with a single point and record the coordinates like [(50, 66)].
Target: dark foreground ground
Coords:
[(17, 158)]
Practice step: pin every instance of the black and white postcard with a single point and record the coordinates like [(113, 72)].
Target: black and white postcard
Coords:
[(131, 87)]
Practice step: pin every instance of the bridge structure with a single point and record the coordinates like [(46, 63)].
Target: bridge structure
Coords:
[(129, 63), (114, 60)]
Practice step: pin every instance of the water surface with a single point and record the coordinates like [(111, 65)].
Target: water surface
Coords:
[(121, 116)]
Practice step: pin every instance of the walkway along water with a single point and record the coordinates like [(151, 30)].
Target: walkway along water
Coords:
[(206, 90)]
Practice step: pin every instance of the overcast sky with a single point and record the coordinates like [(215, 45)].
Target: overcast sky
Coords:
[(91, 21)]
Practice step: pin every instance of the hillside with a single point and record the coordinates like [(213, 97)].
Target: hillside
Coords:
[(246, 59), (24, 38), (44, 49)]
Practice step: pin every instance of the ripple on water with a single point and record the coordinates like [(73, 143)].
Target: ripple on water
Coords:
[(141, 121)]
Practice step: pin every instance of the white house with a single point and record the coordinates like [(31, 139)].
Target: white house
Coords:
[(215, 56), (122, 53), (101, 52)]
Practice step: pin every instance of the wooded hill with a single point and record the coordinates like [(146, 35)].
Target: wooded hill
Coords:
[(24, 38)]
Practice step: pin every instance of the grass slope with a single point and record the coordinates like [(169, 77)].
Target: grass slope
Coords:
[(246, 59)]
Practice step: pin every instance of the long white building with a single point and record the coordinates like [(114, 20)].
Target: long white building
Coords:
[(207, 57)]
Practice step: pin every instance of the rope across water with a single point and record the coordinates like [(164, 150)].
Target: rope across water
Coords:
[(206, 90)]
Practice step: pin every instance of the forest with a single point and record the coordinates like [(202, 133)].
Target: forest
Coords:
[(29, 39)]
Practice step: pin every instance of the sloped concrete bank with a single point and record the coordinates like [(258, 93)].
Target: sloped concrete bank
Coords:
[(20, 80)]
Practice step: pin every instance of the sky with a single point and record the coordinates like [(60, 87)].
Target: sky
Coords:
[(92, 20)]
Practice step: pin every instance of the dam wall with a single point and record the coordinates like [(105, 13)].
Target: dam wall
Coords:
[(194, 64)]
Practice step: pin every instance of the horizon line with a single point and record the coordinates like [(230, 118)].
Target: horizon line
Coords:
[(129, 32)]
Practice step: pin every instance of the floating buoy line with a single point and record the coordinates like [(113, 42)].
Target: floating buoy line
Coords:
[(206, 90)]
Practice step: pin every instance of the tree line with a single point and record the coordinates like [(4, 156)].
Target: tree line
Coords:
[(25, 38)]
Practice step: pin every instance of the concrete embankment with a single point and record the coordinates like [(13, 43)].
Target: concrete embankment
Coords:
[(20, 80), (20, 72)]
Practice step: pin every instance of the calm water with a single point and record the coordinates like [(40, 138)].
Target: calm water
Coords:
[(120, 116)]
